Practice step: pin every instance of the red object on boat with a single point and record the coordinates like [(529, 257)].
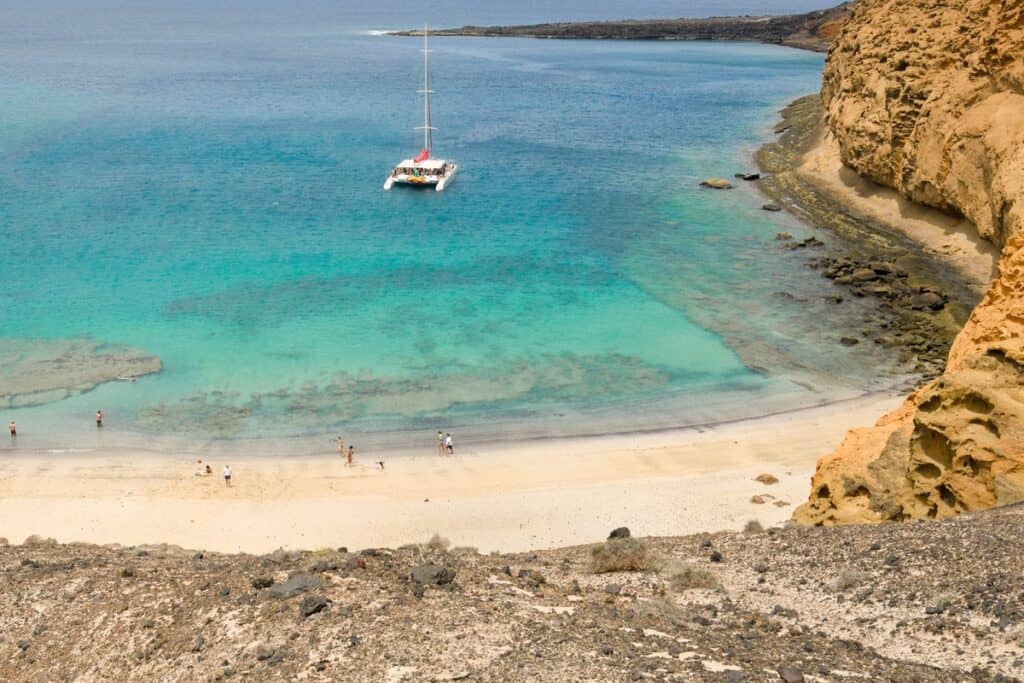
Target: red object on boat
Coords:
[(422, 156)]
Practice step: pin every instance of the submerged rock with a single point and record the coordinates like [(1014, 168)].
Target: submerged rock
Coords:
[(716, 183), (38, 371)]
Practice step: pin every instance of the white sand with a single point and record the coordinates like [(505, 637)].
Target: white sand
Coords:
[(497, 497)]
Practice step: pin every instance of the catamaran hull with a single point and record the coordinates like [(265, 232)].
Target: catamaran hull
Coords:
[(438, 183)]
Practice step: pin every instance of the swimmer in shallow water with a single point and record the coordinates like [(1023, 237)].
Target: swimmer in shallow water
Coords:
[(13, 429)]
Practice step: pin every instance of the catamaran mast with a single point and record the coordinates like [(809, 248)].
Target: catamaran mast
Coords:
[(428, 130)]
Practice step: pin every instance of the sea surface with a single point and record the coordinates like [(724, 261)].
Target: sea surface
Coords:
[(204, 183)]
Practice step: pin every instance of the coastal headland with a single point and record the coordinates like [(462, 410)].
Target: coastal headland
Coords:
[(810, 31)]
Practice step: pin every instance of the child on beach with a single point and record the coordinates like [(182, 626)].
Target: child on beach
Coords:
[(440, 442), (351, 452), (448, 444), (341, 447), (227, 475)]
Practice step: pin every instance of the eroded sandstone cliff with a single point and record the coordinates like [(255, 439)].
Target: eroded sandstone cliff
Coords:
[(928, 98)]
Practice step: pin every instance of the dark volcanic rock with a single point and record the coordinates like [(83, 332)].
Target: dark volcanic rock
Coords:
[(262, 582), (432, 574), (311, 604), (620, 532), (300, 583)]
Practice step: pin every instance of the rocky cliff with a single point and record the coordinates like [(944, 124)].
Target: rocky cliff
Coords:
[(928, 98)]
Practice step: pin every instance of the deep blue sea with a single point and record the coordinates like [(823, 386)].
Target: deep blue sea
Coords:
[(204, 183)]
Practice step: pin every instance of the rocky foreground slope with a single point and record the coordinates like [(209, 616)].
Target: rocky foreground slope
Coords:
[(935, 601), (927, 97)]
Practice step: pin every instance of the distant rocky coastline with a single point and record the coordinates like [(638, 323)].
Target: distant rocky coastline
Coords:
[(810, 31)]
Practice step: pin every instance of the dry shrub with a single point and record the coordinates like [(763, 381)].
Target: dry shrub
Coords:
[(438, 542), (622, 555), (36, 539), (848, 578), (753, 527), (687, 576)]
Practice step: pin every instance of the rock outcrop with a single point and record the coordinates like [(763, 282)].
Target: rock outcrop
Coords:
[(928, 98)]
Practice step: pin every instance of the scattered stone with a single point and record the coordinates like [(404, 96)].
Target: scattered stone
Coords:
[(757, 500), (432, 574), (783, 236), (849, 341), (620, 532), (767, 479), (262, 582), (716, 183), (311, 604), (771, 206), (791, 674), (715, 556), (300, 583)]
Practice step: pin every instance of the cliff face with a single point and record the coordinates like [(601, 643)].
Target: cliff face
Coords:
[(928, 98)]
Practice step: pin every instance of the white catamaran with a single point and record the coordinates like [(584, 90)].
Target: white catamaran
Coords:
[(424, 170)]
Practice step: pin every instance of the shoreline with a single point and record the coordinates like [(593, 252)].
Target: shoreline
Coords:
[(922, 249), (511, 497)]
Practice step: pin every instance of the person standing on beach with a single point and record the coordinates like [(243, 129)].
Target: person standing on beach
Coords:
[(440, 442), (341, 447), (448, 444), (99, 418), (13, 429), (227, 475), (351, 453)]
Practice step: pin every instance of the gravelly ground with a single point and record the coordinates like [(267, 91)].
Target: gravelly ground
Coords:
[(936, 601)]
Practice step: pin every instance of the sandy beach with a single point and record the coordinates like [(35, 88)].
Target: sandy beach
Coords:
[(505, 497)]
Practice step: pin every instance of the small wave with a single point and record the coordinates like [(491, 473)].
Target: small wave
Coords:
[(70, 450), (377, 32)]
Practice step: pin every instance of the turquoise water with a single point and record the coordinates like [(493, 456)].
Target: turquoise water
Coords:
[(216, 201)]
